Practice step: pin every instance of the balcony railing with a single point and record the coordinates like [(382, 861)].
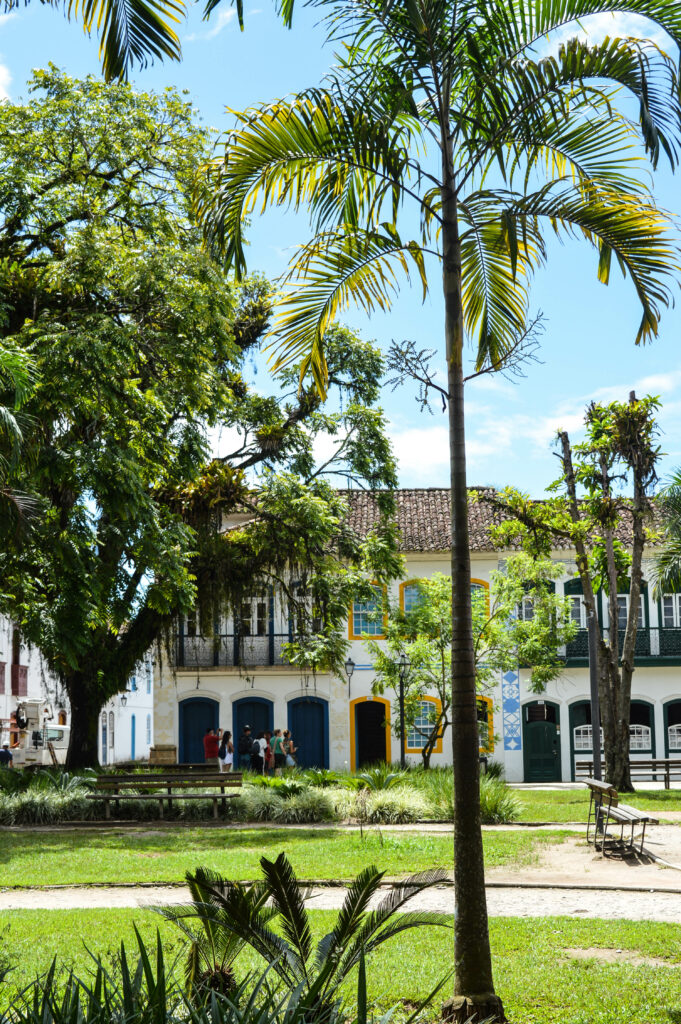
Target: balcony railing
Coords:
[(229, 650), (655, 643)]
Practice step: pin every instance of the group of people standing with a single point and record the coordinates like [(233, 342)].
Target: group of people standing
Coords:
[(268, 753)]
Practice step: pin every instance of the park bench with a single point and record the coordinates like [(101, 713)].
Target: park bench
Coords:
[(162, 787), (605, 809), (652, 768)]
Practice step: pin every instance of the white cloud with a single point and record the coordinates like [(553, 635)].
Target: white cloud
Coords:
[(5, 79), (596, 27), (216, 25)]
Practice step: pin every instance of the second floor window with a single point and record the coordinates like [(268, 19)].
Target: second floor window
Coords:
[(367, 616), (671, 611), (412, 597), (578, 611), (623, 611), (253, 616)]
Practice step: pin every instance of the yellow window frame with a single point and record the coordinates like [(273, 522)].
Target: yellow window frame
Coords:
[(437, 749)]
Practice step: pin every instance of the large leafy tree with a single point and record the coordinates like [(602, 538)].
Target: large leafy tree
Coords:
[(138, 340), (445, 107), (520, 621), (608, 531)]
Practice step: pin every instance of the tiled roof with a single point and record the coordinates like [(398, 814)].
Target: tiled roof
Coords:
[(423, 518)]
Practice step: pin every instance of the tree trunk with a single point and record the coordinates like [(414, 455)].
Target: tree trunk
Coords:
[(473, 982), (86, 705)]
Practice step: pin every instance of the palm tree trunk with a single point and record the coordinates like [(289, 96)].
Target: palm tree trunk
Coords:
[(474, 986)]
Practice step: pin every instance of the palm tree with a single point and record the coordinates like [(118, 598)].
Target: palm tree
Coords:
[(212, 948), (444, 107), (232, 915)]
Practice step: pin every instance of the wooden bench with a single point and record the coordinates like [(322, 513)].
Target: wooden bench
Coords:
[(605, 808), (647, 769), (115, 788)]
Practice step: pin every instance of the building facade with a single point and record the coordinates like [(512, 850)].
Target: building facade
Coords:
[(239, 677)]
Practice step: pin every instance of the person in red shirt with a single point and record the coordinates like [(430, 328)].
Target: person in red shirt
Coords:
[(211, 745)]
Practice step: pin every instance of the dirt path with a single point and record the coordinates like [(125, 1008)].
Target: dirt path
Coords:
[(568, 878), (503, 901)]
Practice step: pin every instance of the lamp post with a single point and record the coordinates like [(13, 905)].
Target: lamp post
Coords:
[(404, 666), (349, 669), (124, 700)]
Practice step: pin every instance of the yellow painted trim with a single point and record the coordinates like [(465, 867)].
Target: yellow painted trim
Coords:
[(437, 749), (353, 748), (351, 620), (490, 724), (406, 583)]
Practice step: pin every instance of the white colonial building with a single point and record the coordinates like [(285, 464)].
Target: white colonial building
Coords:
[(239, 676)]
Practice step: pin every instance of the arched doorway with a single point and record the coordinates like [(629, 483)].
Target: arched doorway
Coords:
[(581, 738), (672, 728), (308, 720), (105, 752), (369, 731), (541, 741), (254, 711), (196, 715)]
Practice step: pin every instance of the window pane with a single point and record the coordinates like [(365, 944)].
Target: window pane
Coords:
[(412, 597), (366, 616), (419, 731), (622, 608), (576, 611), (668, 609)]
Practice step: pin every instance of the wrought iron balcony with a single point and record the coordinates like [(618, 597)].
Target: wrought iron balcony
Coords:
[(658, 645), (230, 650)]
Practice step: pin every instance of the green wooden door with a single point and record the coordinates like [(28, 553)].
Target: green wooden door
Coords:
[(541, 743)]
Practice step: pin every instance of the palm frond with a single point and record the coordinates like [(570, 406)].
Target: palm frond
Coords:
[(289, 901), (320, 152), (131, 31), (635, 232), (513, 26), (495, 264), (333, 271), (350, 916)]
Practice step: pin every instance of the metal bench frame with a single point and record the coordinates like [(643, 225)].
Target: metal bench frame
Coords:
[(605, 809)]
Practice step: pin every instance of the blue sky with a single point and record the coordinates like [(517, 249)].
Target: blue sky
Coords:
[(588, 346)]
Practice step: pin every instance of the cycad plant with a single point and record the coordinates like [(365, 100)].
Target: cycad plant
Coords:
[(212, 948), (231, 915), (448, 108)]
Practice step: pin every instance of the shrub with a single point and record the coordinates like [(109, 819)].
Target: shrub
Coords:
[(322, 778), (382, 776), (437, 788), (260, 804), (395, 807), (43, 807), (495, 770), (498, 804), (309, 806)]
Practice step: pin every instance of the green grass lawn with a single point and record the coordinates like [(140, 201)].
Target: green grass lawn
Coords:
[(60, 857), (573, 804), (537, 981)]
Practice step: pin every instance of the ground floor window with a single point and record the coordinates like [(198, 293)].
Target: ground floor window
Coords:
[(422, 725)]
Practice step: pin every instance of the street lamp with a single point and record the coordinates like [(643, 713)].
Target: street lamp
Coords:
[(404, 666), (349, 669), (124, 699)]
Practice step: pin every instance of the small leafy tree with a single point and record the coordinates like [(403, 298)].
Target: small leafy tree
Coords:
[(608, 531), (521, 622)]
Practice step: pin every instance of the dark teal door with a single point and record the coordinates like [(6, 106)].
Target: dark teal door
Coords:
[(541, 742), (196, 715), (308, 720), (256, 712)]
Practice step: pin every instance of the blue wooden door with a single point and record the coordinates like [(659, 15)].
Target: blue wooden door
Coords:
[(256, 712), (196, 715), (308, 720)]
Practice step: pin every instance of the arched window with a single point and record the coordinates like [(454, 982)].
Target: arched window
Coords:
[(111, 729), (148, 729)]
